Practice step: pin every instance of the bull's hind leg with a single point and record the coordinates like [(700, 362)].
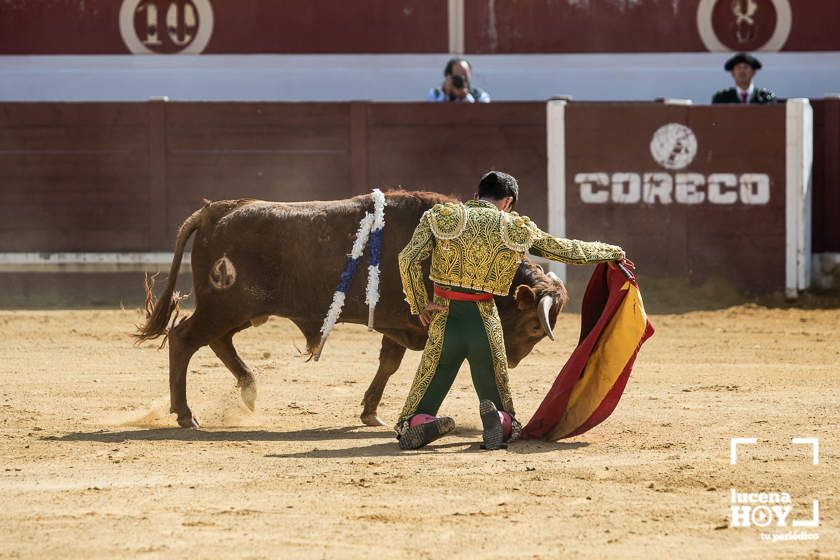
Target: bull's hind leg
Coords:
[(390, 357), (184, 340), (224, 349)]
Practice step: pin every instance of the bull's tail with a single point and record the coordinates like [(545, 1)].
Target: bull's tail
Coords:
[(158, 311)]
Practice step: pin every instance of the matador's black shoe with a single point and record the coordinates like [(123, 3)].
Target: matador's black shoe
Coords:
[(494, 436), (424, 434)]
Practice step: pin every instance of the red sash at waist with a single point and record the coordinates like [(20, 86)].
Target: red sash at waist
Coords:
[(461, 296)]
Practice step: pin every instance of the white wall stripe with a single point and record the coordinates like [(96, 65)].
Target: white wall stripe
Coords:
[(89, 262), (799, 157), (556, 155), (804, 255), (456, 26)]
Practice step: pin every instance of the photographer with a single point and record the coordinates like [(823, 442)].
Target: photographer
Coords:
[(456, 85)]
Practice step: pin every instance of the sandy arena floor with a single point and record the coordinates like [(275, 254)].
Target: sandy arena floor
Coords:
[(93, 467)]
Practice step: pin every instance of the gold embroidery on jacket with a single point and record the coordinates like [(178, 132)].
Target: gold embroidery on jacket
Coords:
[(496, 338), (477, 258), (475, 246), (518, 232), (573, 251), (428, 363), (448, 220), (410, 263)]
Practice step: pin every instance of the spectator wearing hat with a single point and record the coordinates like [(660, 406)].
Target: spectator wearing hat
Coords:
[(457, 85), (743, 67)]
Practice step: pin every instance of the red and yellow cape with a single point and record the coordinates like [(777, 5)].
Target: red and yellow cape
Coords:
[(613, 327)]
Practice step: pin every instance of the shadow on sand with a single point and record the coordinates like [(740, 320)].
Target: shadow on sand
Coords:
[(391, 449), (181, 434), (387, 448)]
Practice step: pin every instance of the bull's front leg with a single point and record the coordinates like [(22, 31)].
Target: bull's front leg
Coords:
[(390, 357)]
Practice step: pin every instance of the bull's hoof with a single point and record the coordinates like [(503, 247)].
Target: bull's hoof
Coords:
[(371, 419), (188, 422), (248, 392)]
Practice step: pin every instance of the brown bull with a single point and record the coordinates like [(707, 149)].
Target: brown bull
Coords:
[(252, 259)]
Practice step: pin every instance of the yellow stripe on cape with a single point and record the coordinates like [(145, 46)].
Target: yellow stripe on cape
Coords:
[(614, 349)]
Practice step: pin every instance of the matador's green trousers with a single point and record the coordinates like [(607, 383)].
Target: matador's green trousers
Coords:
[(467, 330)]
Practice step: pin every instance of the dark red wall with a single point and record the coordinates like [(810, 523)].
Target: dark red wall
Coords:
[(445, 149), (826, 179), (606, 26), (417, 26), (123, 176), (75, 177), (253, 26), (744, 244)]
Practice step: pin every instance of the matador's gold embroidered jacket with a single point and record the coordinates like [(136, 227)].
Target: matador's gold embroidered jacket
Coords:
[(479, 247)]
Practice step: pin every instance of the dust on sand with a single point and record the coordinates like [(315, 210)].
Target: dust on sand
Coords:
[(94, 467)]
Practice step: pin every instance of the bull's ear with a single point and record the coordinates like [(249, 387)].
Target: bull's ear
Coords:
[(525, 297)]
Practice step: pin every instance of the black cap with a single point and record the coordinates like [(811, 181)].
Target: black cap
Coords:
[(742, 57)]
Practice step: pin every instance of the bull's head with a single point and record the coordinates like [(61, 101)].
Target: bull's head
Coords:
[(530, 311)]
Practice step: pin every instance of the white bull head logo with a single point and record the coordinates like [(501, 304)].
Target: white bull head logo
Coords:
[(744, 22), (744, 15)]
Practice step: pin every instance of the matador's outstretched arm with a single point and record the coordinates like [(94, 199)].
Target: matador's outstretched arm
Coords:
[(572, 251)]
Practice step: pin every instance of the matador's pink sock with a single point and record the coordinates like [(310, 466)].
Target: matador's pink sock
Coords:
[(418, 419), (507, 424)]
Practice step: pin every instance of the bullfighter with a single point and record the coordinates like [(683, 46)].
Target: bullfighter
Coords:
[(475, 249)]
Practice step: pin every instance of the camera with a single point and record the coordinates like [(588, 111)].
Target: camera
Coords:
[(458, 82)]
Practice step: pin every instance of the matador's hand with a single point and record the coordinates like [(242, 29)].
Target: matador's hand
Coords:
[(428, 313), (625, 261)]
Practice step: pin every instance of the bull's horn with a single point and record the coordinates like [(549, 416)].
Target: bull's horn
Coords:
[(542, 311), (553, 276), (317, 354)]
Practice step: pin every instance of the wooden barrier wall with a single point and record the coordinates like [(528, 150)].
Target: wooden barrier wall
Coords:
[(75, 177), (123, 176), (826, 204), (691, 192)]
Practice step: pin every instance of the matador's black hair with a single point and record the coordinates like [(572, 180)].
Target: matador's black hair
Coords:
[(498, 185)]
